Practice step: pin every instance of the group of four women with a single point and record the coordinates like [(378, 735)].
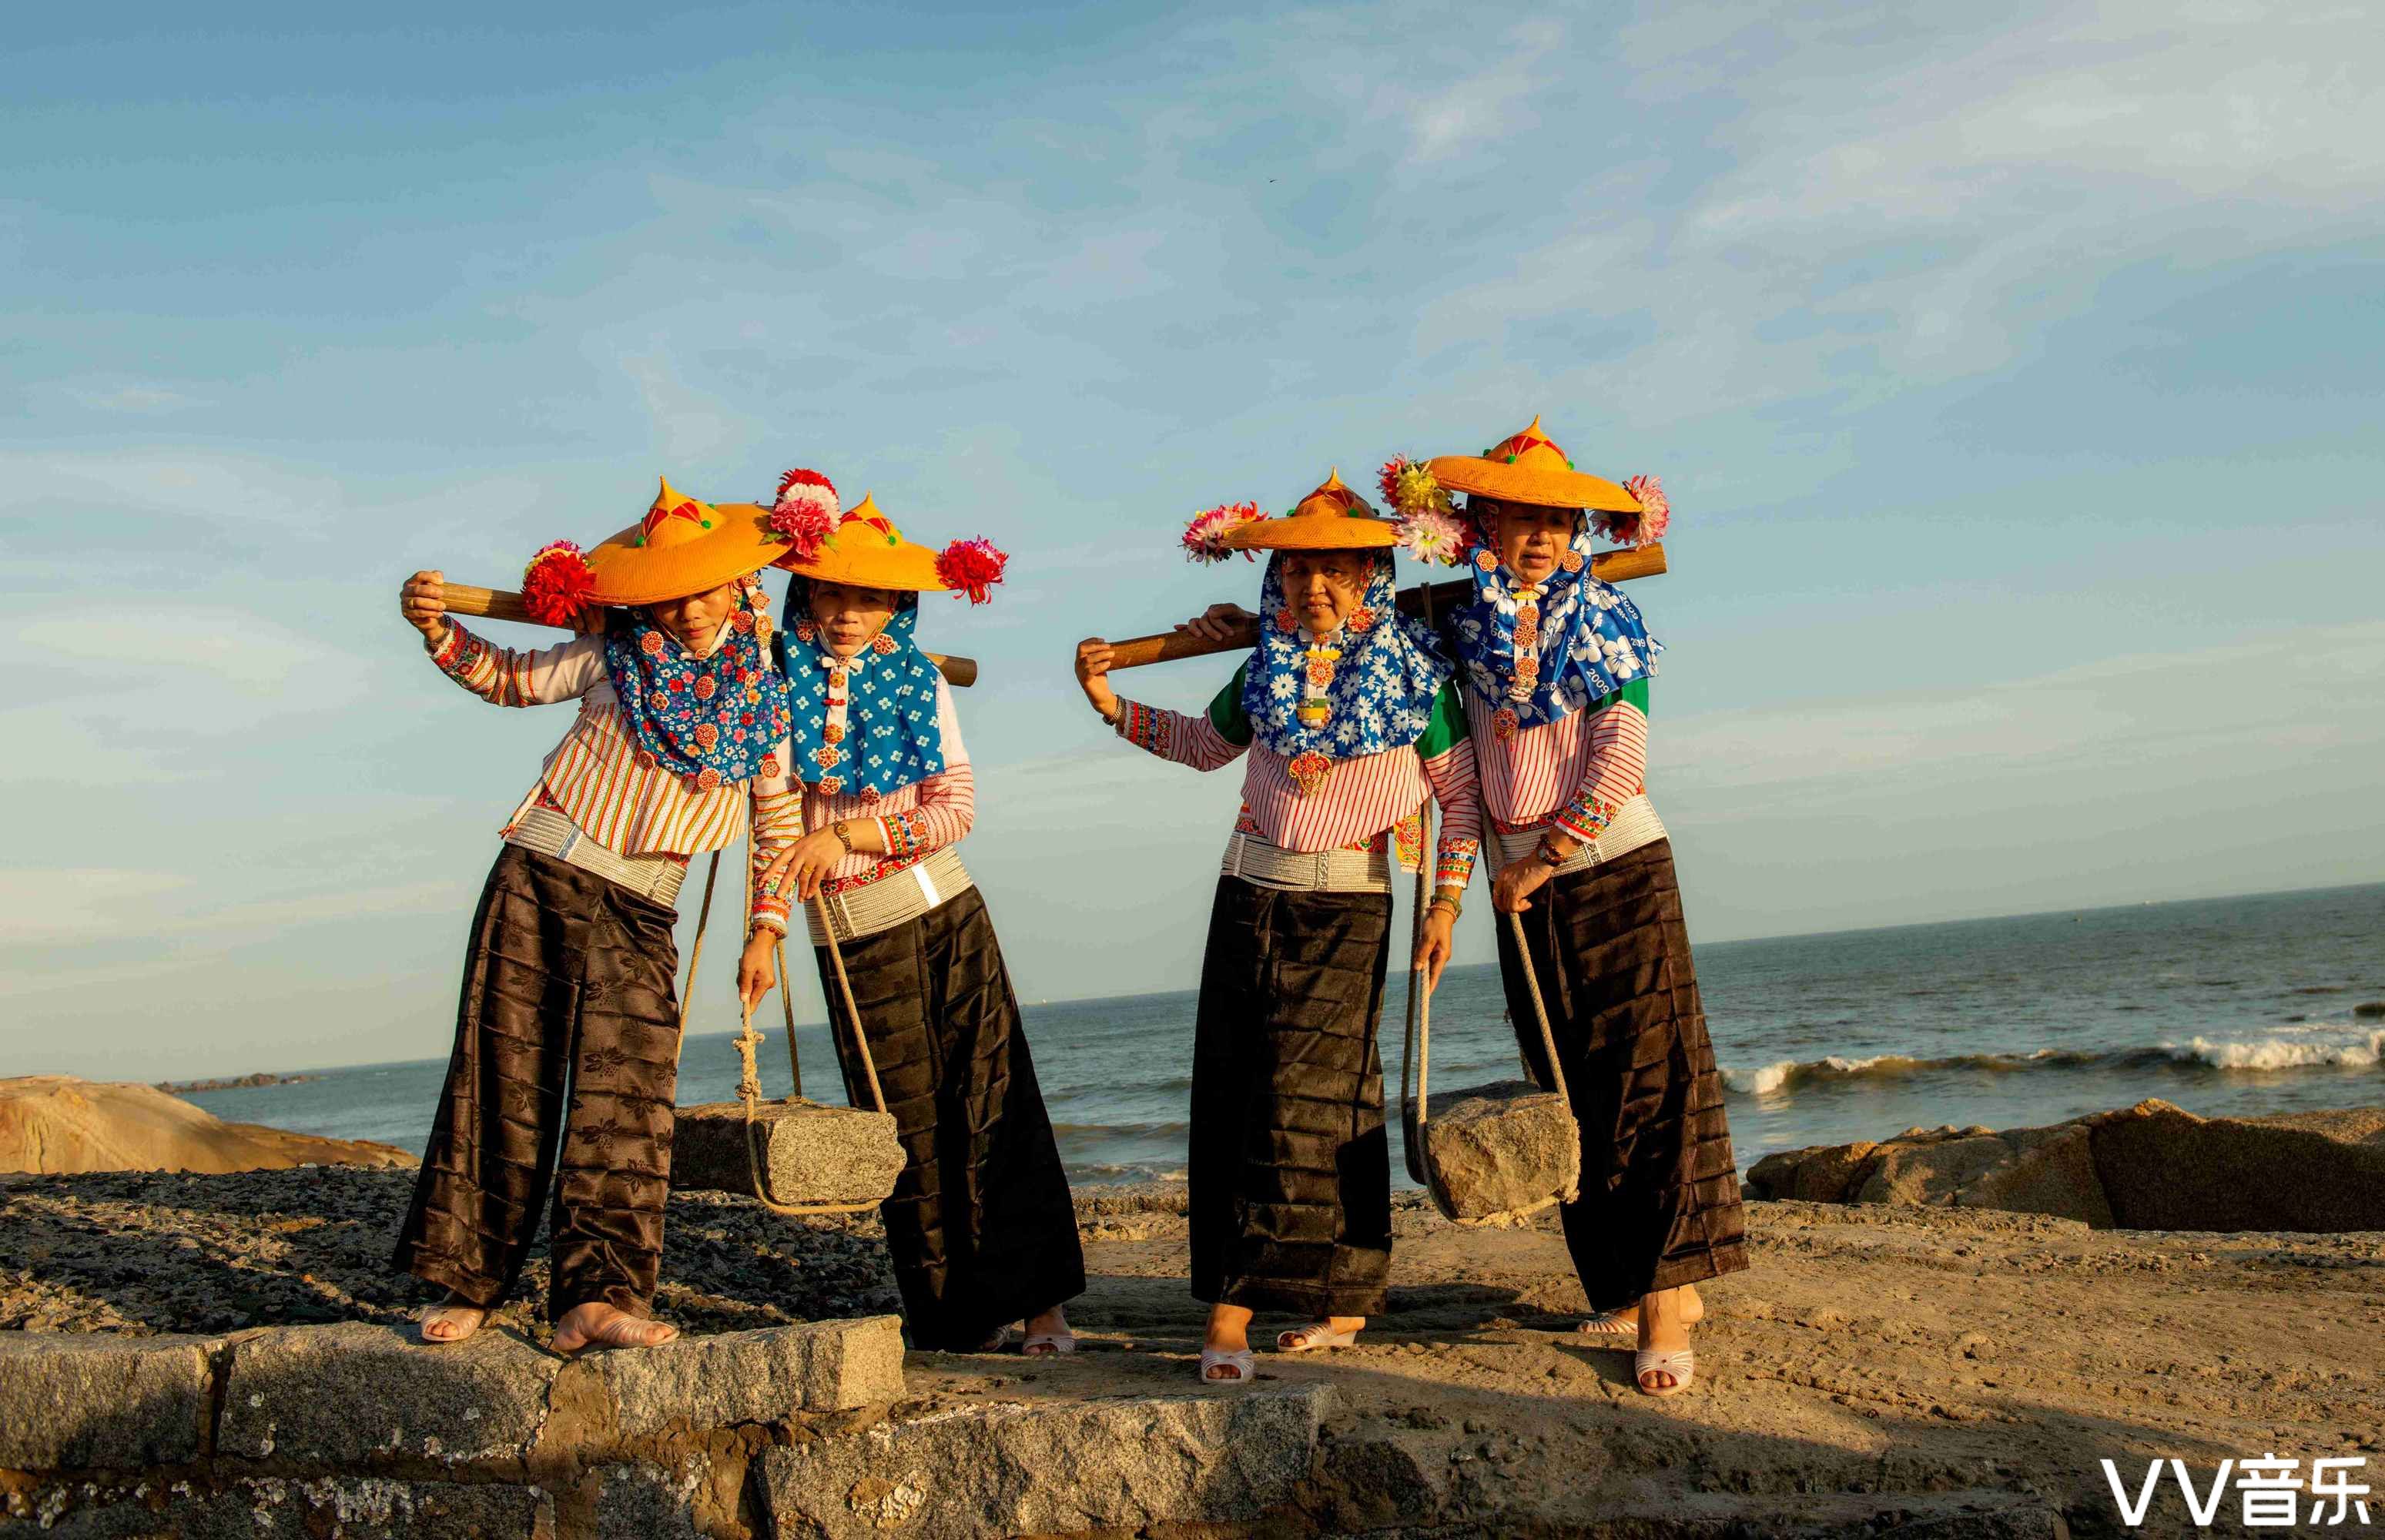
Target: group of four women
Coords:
[(1523, 718)]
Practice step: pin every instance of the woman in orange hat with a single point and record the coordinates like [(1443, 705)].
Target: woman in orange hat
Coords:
[(567, 1041), (1555, 666), (1348, 721), (981, 1226)]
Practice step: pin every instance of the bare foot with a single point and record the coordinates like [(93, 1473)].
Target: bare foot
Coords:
[(596, 1324), (1662, 1330), (1048, 1334), (1229, 1332), (1334, 1330), (452, 1321)]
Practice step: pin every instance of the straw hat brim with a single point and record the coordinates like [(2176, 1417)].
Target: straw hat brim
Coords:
[(861, 557), (1312, 532), (1544, 485), (630, 570)]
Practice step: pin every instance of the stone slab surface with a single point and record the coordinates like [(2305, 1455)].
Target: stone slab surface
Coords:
[(759, 1376), (1050, 1469), (355, 1392), (77, 1401), (812, 1153), (332, 1508), (1509, 1148), (643, 1501)]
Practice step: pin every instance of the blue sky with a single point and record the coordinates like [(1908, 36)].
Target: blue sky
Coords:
[(2014, 376)]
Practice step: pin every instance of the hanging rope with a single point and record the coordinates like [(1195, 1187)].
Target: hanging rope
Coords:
[(695, 955)]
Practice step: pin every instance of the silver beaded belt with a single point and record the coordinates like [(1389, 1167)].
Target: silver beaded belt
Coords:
[(890, 900), (1634, 824), (550, 833), (1266, 866)]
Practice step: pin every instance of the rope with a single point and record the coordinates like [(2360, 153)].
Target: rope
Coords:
[(1412, 1052), (702, 917)]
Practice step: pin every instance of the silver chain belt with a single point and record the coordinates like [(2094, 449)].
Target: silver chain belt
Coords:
[(1257, 861), (1634, 824), (550, 833), (888, 901)]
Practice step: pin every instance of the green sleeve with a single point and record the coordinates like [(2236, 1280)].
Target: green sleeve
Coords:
[(1447, 729), (1634, 694), (1225, 712)]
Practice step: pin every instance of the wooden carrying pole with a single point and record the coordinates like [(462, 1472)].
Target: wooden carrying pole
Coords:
[(1614, 566), (504, 604)]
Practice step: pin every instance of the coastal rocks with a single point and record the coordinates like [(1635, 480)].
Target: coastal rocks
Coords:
[(1019, 1469), (58, 1125), (327, 1507), (810, 1154), (341, 1395), (2153, 1166), (102, 1402), (755, 1376), (1499, 1150)]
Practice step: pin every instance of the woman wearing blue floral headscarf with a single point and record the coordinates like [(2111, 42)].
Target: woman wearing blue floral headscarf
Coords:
[(1556, 665), (1347, 720)]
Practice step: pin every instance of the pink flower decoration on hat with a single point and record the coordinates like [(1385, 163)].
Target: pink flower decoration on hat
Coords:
[(805, 512), (1204, 536)]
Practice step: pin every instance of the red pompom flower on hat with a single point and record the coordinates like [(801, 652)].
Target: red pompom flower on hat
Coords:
[(1647, 526), (1204, 536), (971, 567), (558, 583), (805, 512)]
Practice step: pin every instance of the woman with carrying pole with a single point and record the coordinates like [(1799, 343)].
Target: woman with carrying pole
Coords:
[(565, 1062), (1555, 664), (981, 1226), (1346, 715)]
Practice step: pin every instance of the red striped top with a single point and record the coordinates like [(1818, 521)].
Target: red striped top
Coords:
[(593, 777), (1564, 772), (917, 820)]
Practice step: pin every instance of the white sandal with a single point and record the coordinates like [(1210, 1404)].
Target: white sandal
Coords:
[(1681, 1363), (1044, 1345), (1609, 1323), (1315, 1337), (1240, 1361), (995, 1344)]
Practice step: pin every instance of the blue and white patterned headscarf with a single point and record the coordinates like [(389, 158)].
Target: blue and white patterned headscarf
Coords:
[(1591, 639), (711, 720), (891, 737), (1381, 695)]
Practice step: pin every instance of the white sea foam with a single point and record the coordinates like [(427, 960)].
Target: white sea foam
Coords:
[(1763, 1082), (2273, 1054)]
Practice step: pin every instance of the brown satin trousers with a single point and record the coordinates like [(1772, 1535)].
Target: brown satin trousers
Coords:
[(564, 1070)]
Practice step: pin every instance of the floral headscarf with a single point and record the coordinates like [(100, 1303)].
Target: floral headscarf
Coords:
[(1585, 643), (710, 720), (1379, 695), (863, 725)]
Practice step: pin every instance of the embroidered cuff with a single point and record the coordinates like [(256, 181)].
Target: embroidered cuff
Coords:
[(1455, 866), (905, 834), (454, 656), (1144, 727), (768, 915), (1585, 818)]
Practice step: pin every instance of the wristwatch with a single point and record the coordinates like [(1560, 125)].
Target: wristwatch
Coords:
[(1548, 857), (843, 836)]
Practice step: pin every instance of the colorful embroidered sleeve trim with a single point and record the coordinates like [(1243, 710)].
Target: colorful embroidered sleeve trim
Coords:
[(497, 675), (1453, 864), (1144, 727), (907, 835), (1227, 714), (1585, 818)]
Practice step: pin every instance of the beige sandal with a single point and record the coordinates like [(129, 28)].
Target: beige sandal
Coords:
[(1681, 1363)]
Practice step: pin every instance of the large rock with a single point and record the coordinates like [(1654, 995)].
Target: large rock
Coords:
[(330, 1507), (811, 1153), (2153, 1166), (344, 1394), (1055, 1469), (74, 1401), (2163, 1168), (57, 1126), (759, 1376), (1501, 1149)]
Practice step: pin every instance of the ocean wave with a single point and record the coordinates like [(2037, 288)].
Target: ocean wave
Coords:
[(2363, 1052)]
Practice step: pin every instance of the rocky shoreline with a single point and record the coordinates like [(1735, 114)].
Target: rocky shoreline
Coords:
[(235, 1083)]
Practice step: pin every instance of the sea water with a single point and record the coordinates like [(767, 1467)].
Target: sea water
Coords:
[(2226, 1007)]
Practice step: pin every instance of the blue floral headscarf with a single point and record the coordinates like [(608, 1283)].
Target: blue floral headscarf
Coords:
[(1591, 639), (712, 719), (890, 737), (1381, 695)]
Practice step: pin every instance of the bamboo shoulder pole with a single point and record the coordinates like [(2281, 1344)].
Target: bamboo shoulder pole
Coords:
[(1614, 566), (505, 604)]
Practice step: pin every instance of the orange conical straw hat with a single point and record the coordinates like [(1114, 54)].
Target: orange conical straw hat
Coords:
[(1331, 519), (866, 551), (1529, 467), (682, 546)]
